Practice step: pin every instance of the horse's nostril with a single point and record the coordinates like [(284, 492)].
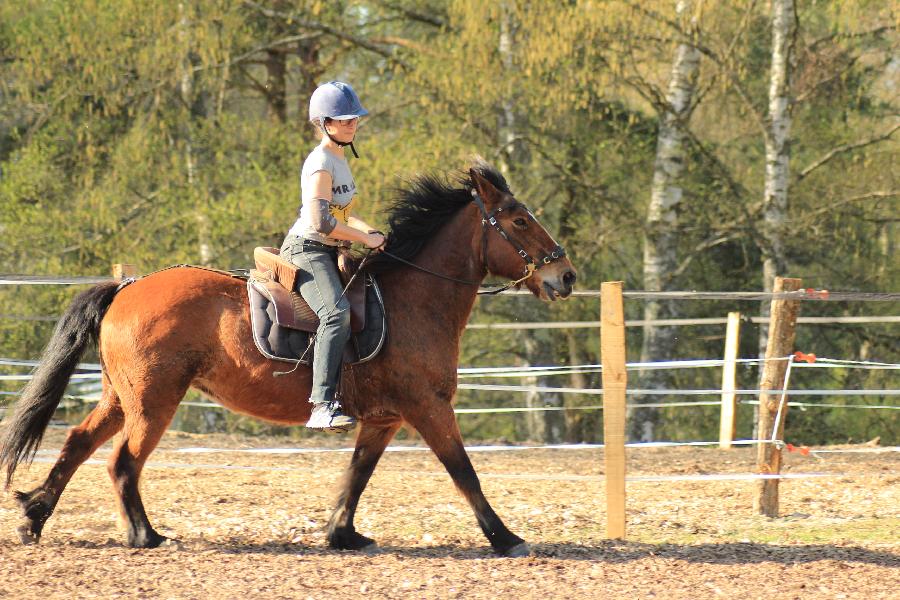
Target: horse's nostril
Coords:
[(569, 278)]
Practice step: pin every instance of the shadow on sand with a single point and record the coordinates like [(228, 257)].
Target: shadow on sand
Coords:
[(604, 551)]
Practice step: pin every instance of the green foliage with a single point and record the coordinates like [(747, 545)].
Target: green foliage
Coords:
[(149, 133)]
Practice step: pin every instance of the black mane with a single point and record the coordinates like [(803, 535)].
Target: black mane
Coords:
[(425, 205)]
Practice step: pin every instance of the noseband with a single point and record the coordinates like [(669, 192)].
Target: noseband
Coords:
[(531, 265)]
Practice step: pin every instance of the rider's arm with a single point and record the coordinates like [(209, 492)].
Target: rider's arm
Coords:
[(358, 223), (345, 232), (325, 223)]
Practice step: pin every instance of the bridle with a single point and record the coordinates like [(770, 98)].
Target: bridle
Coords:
[(531, 265)]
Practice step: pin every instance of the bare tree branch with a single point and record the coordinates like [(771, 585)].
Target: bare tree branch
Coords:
[(254, 82), (297, 18), (866, 196), (639, 7), (402, 42), (48, 111), (269, 46), (846, 148), (716, 240), (686, 38), (415, 15), (727, 55), (758, 116), (737, 189), (805, 95), (851, 35)]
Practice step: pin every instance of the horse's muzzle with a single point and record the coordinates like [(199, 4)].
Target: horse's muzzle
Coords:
[(559, 287)]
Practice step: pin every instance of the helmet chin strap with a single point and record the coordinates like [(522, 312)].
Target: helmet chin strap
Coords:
[(339, 143)]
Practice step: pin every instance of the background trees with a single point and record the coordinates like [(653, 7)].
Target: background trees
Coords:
[(166, 132)]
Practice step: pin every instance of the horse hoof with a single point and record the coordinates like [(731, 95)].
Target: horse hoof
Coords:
[(518, 551), (148, 540), (27, 536), (344, 539)]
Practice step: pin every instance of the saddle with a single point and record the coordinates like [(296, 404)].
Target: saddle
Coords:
[(279, 277), (284, 325)]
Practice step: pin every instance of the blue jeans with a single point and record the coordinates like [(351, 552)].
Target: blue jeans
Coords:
[(320, 285)]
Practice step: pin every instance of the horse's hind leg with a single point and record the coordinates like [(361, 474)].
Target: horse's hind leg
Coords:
[(100, 425), (144, 426), (371, 441), (439, 429)]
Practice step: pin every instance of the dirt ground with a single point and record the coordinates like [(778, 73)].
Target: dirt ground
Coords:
[(250, 525)]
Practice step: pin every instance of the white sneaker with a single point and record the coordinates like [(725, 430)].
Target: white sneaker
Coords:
[(327, 416)]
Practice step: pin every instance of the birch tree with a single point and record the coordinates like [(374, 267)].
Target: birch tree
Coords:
[(661, 225), (186, 91), (776, 135), (775, 199)]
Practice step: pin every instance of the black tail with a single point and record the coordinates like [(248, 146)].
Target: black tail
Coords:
[(78, 327)]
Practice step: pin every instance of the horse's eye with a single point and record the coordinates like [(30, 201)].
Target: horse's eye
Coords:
[(521, 223)]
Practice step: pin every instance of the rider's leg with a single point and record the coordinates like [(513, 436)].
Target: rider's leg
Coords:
[(320, 285)]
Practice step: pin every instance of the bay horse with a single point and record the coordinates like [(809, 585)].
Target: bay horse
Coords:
[(190, 327)]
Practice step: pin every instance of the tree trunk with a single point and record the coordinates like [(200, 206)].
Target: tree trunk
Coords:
[(276, 98), (775, 201), (661, 227), (310, 71), (510, 159), (575, 418), (186, 90), (571, 198), (223, 85), (777, 142), (886, 243), (534, 422), (512, 154), (543, 426)]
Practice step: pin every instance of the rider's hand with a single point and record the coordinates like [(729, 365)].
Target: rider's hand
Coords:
[(375, 240)]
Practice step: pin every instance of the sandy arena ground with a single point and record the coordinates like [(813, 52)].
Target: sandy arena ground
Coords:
[(250, 525)]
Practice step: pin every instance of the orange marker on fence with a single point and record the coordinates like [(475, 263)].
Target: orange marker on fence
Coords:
[(810, 358), (820, 294), (804, 450)]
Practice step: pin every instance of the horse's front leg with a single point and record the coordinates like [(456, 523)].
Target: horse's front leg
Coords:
[(437, 424), (371, 441)]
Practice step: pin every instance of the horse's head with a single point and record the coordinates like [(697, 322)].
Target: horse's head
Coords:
[(516, 245)]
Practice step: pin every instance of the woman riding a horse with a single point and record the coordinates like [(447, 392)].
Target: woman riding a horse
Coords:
[(186, 327), (328, 194)]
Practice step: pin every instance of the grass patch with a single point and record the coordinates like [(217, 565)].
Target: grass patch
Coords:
[(831, 531), (778, 531)]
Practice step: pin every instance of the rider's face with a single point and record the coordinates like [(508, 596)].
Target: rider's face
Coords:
[(343, 130)]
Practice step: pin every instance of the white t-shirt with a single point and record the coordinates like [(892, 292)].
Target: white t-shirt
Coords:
[(316, 215)]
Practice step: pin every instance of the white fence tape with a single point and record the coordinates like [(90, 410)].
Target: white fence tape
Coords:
[(672, 322)]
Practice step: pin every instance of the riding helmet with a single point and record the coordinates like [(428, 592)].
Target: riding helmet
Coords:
[(335, 100)]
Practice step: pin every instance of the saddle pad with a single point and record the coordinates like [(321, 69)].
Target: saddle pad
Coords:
[(294, 345), (289, 308)]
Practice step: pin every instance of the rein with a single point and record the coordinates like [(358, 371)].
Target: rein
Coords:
[(530, 264), (447, 277)]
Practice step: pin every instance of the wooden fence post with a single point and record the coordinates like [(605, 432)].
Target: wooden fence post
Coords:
[(729, 369), (615, 379), (121, 271), (782, 327)]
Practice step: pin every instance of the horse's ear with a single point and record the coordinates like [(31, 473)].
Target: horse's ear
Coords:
[(490, 195)]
